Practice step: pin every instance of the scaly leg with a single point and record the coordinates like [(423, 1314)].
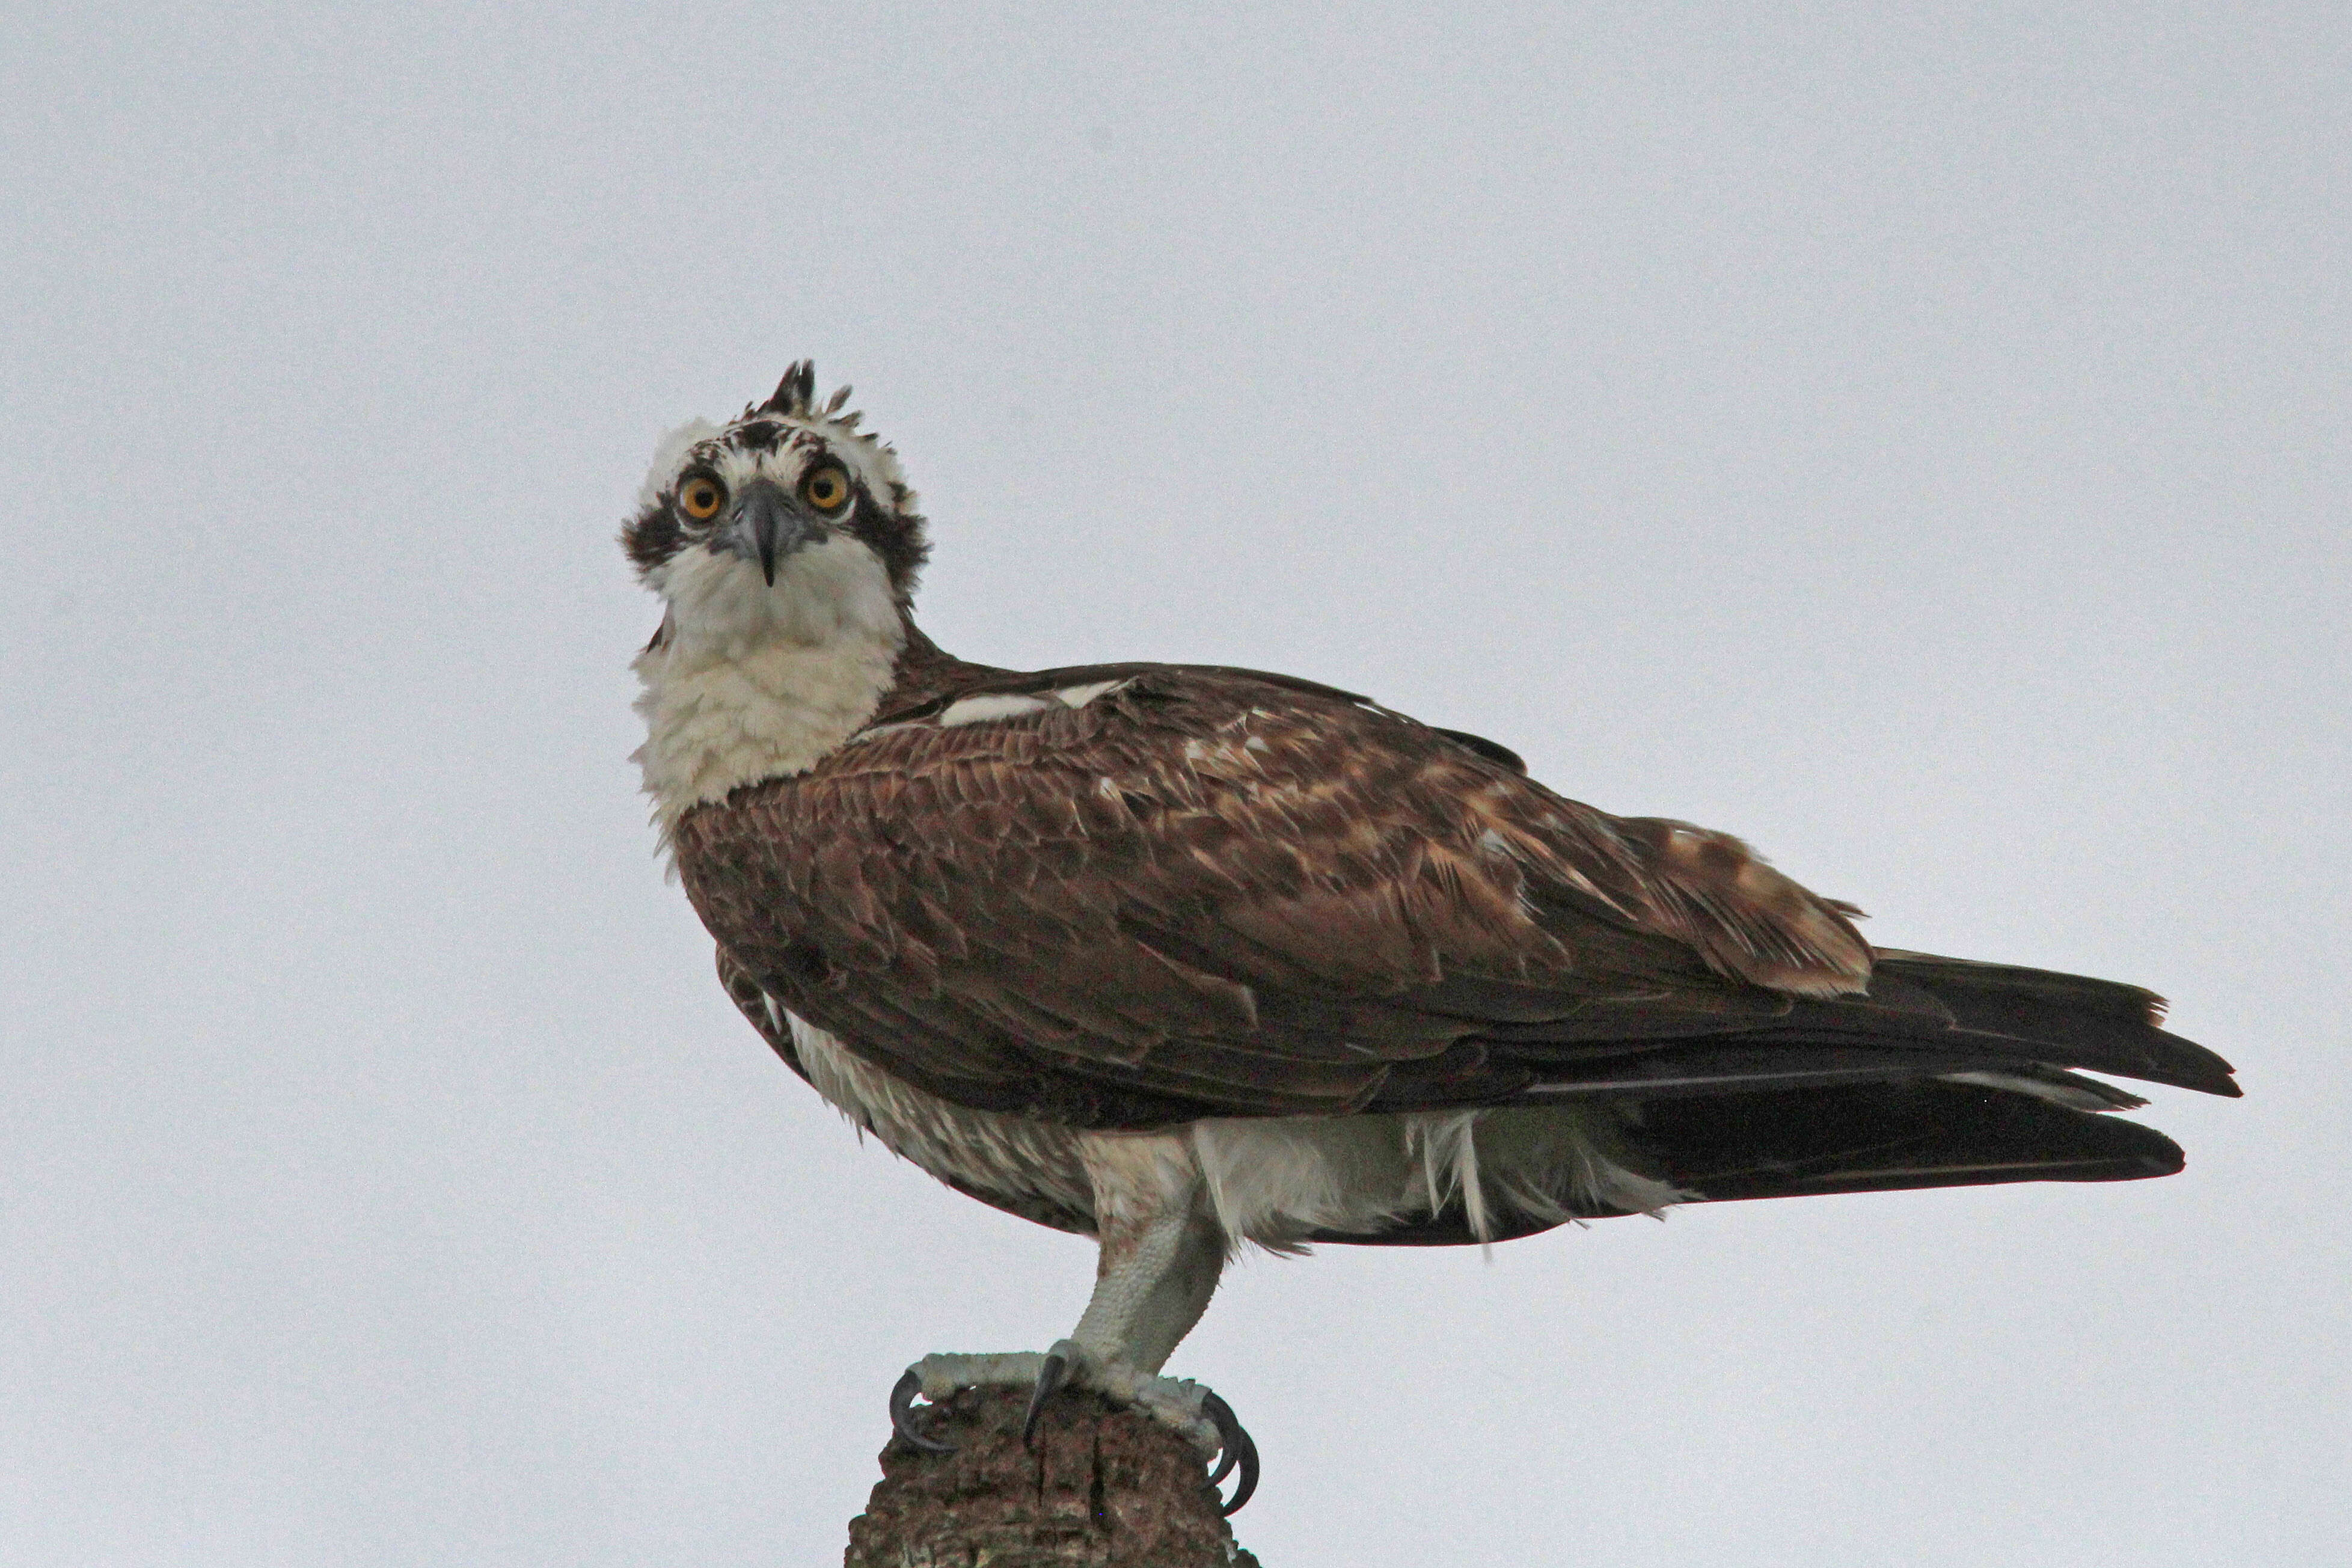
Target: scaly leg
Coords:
[(1162, 1251)]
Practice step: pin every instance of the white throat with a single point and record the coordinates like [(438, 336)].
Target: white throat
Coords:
[(753, 682)]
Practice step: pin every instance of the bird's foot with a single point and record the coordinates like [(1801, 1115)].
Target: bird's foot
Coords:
[(1194, 1413)]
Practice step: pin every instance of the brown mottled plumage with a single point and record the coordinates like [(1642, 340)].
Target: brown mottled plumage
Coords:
[(1214, 892)]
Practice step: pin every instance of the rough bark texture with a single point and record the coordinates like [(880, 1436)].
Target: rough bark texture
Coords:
[(1103, 1489)]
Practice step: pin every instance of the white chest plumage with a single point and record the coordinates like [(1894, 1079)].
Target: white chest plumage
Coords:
[(751, 682)]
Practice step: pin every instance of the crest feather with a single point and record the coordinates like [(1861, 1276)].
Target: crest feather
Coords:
[(796, 392)]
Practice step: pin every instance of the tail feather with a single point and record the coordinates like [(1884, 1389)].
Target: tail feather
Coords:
[(1889, 1137), (2061, 1020), (1818, 1141), (1922, 1017)]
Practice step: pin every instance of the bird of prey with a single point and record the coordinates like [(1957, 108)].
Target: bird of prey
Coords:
[(1183, 957)]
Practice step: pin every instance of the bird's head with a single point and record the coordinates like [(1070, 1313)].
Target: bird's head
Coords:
[(789, 521)]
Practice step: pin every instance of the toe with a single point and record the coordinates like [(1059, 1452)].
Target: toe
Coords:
[(1203, 1418), (941, 1375)]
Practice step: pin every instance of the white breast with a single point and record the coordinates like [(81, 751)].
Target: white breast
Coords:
[(755, 682)]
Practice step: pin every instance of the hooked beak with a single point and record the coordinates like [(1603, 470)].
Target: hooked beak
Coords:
[(766, 526)]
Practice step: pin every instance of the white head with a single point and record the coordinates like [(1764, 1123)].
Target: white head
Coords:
[(786, 546), (787, 524)]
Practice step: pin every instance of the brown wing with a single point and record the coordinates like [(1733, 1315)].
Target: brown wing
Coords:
[(1206, 892)]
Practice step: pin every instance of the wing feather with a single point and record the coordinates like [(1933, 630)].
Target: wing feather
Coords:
[(1207, 893)]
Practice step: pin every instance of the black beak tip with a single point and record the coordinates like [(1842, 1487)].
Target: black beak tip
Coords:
[(766, 529)]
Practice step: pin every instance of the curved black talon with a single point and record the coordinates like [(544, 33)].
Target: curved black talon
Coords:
[(1052, 1373), (902, 1417), (1229, 1437), (1238, 1449), (1248, 1483)]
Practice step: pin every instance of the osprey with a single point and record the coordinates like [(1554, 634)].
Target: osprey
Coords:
[(1183, 957)]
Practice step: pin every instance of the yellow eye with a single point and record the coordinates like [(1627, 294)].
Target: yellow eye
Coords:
[(826, 489), (701, 497)]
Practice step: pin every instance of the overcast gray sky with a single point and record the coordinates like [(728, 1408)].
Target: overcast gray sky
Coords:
[(1912, 437)]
